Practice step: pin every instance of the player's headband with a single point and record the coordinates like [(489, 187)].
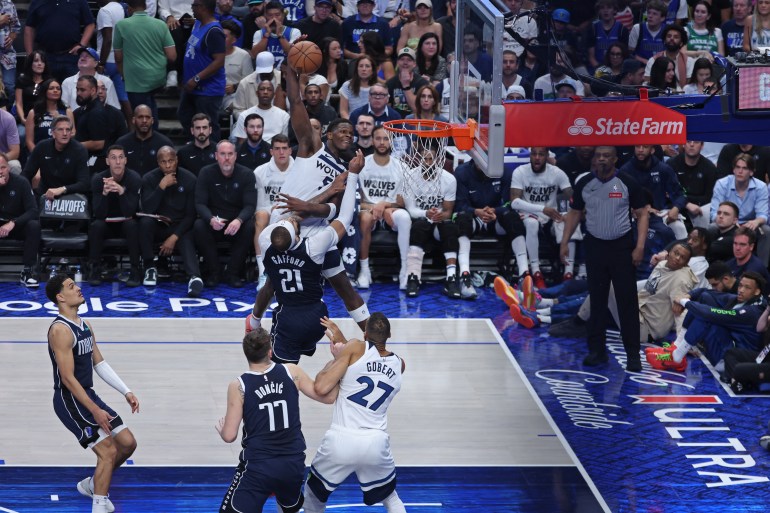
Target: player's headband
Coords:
[(290, 227)]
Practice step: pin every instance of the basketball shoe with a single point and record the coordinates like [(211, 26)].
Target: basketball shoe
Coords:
[(539, 280), (528, 291), (661, 358), (85, 487), (505, 292), (524, 317)]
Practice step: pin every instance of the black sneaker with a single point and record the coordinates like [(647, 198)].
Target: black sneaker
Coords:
[(95, 278), (134, 277), (412, 286), (150, 277), (194, 286), (452, 288), (634, 364), (28, 279)]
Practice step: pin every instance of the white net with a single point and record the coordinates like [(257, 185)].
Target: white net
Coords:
[(420, 158)]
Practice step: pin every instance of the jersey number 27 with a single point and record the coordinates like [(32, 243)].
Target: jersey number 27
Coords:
[(361, 397)]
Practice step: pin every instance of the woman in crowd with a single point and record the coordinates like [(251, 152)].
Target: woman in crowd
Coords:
[(663, 76), (756, 31), (355, 92), (427, 105), (33, 74), (423, 23), (430, 64), (702, 37), (334, 67), (47, 108), (616, 53), (700, 79), (371, 44)]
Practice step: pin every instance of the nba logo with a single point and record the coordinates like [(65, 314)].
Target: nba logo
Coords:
[(89, 431), (48, 205)]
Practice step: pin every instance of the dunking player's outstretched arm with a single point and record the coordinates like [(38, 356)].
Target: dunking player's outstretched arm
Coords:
[(309, 141), (306, 385), (316, 206)]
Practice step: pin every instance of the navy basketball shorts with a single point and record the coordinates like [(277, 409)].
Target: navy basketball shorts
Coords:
[(332, 265), (296, 330), (79, 420), (255, 480)]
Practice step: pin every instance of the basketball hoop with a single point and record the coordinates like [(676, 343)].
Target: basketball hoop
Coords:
[(419, 147)]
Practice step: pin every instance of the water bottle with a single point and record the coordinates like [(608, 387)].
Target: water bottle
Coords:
[(78, 275)]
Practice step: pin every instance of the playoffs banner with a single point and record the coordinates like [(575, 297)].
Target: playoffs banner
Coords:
[(592, 123)]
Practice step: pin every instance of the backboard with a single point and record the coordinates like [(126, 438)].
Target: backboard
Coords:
[(476, 80)]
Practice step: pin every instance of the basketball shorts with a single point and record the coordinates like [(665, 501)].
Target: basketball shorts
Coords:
[(296, 330), (255, 480), (79, 420), (345, 451), (332, 265)]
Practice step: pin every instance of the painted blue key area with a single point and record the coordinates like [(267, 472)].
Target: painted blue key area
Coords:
[(200, 489)]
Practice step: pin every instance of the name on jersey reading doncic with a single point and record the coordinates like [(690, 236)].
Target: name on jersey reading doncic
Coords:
[(269, 388)]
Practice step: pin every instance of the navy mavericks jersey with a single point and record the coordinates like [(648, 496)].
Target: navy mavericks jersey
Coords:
[(271, 425), (296, 278), (82, 352)]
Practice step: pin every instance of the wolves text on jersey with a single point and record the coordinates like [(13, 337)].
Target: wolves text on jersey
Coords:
[(540, 193), (378, 188), (428, 202)]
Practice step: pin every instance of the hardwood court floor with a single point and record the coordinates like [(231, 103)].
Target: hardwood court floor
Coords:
[(463, 403)]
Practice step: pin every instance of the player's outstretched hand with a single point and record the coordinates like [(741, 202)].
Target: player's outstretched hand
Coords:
[(133, 402), (286, 203), (333, 332), (357, 163)]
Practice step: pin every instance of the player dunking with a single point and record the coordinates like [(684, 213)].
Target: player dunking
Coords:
[(75, 356), (368, 376), (266, 399), (295, 265), (309, 191)]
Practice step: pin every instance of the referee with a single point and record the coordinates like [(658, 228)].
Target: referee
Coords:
[(607, 197)]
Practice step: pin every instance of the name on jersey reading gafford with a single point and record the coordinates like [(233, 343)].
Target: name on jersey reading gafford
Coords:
[(287, 259)]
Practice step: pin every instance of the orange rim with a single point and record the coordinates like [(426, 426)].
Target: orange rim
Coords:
[(462, 134)]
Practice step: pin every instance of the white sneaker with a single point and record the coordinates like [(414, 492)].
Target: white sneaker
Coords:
[(364, 279), (84, 487), (171, 79), (150, 277), (466, 286), (194, 286)]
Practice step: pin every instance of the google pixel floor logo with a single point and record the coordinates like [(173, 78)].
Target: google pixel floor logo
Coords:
[(580, 127)]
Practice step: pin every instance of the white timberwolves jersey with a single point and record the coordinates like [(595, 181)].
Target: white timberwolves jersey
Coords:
[(270, 180), (366, 390), (380, 183)]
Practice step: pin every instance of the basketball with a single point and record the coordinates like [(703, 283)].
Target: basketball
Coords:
[(305, 57)]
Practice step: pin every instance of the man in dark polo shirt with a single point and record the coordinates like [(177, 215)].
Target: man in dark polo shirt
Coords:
[(377, 107), (608, 197), (54, 27), (61, 161), (225, 199), (91, 122), (403, 87), (200, 152), (143, 143)]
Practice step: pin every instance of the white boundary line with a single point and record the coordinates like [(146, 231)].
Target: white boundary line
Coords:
[(548, 417)]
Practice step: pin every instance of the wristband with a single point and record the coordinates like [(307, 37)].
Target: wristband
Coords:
[(332, 212)]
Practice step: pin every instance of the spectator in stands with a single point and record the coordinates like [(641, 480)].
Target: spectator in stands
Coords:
[(524, 26), (382, 206), (677, 12), (204, 74), (246, 92), (355, 92), (58, 165), (143, 48), (430, 64), (756, 33), (90, 121), (377, 107), (9, 30), (252, 22), (238, 63), (448, 29), (39, 124), (723, 231), (364, 22), (88, 60), (530, 66), (364, 139), (657, 177), (270, 178), (224, 13), (413, 31), (720, 278), (534, 188), (703, 37), (511, 73), (334, 67), (565, 38), (576, 162), (33, 73), (321, 24), (744, 259), (116, 121), (296, 10), (168, 196), (317, 108), (663, 76), (566, 88), (402, 88), (10, 143), (371, 44), (427, 104), (732, 29), (225, 214), (675, 44), (114, 207), (647, 39), (55, 29), (179, 17), (110, 13), (760, 155), (201, 151), (697, 174), (482, 209), (19, 218), (276, 121), (547, 82), (254, 151), (475, 56), (275, 37), (751, 197), (142, 143), (612, 65), (603, 33), (701, 81)]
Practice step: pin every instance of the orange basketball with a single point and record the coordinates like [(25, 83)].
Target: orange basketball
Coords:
[(305, 57)]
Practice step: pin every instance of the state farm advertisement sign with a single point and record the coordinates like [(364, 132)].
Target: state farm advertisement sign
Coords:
[(592, 123)]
